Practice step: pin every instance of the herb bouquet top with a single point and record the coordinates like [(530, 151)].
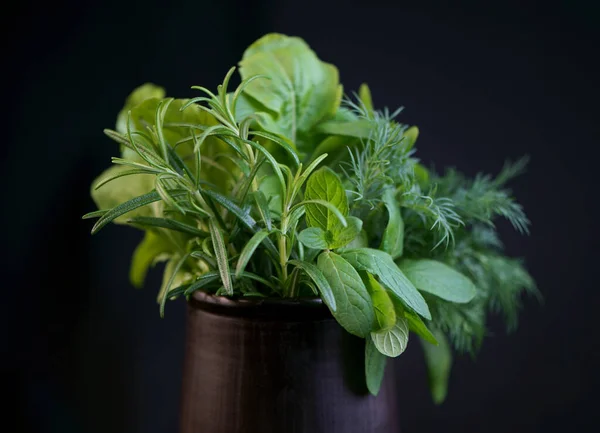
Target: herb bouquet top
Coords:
[(282, 188)]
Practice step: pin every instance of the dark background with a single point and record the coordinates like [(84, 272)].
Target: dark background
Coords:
[(82, 351)]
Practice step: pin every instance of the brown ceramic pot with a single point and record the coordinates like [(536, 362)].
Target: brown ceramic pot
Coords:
[(277, 366)]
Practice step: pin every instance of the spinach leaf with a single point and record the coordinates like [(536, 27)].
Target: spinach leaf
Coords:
[(301, 92)]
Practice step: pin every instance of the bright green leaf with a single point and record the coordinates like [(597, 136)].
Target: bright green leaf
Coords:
[(345, 235), (324, 184), (392, 342), (139, 95), (439, 279), (364, 94), (439, 362), (385, 314), (354, 306), (416, 325), (374, 366), (381, 264), (393, 236), (301, 91), (313, 237), (145, 255)]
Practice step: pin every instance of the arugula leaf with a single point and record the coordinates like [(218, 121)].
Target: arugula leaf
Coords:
[(393, 236), (151, 248), (374, 367), (302, 90), (324, 184), (439, 279), (392, 342), (313, 237), (381, 264), (439, 362), (354, 306), (385, 315)]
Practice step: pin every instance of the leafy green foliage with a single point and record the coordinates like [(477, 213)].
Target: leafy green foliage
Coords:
[(277, 189), (439, 361), (374, 366), (438, 279)]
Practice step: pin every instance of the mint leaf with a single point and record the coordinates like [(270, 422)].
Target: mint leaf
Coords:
[(439, 279), (381, 264), (301, 92), (354, 307), (392, 342), (345, 235), (439, 362), (393, 236), (324, 184), (416, 325), (313, 237), (374, 367), (385, 315)]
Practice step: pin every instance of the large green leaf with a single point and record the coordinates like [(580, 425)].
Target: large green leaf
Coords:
[(121, 190), (354, 306), (324, 184), (152, 248), (439, 362), (135, 98), (393, 236), (374, 367), (301, 92), (439, 279), (392, 342), (381, 264)]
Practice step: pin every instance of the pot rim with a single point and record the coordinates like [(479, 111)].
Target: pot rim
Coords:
[(283, 309)]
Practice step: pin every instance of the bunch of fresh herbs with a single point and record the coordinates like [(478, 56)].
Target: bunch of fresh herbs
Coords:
[(282, 188)]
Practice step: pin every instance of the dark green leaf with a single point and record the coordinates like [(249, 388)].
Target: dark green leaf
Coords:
[(166, 223), (221, 254), (374, 366), (439, 362), (354, 307), (381, 264), (249, 249), (241, 214), (321, 282), (263, 208)]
